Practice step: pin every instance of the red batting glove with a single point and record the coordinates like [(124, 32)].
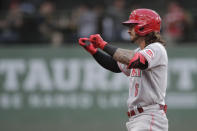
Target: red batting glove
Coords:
[(89, 47), (98, 41)]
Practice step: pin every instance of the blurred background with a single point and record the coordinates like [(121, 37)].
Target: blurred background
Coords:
[(48, 82)]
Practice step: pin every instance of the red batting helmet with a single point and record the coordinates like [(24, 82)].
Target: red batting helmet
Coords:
[(146, 21)]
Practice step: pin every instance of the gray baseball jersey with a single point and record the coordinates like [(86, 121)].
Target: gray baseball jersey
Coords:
[(148, 87)]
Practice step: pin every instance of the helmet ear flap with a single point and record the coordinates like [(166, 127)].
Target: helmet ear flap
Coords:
[(141, 29)]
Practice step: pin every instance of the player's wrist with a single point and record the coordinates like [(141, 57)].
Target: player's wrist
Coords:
[(109, 49), (102, 45)]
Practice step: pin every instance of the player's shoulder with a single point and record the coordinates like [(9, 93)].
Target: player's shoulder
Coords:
[(154, 49), (157, 46)]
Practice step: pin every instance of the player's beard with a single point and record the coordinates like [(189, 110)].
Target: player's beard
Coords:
[(135, 39)]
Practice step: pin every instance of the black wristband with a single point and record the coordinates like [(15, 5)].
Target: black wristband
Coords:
[(109, 49)]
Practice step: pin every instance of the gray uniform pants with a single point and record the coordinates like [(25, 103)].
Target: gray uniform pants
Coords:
[(151, 120)]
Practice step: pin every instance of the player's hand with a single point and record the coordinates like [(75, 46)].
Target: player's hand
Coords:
[(89, 47), (98, 41)]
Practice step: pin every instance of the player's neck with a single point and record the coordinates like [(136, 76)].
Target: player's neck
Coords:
[(141, 43)]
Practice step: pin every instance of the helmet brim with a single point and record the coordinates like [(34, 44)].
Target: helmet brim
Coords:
[(129, 22)]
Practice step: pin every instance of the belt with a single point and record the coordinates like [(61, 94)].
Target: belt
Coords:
[(140, 110)]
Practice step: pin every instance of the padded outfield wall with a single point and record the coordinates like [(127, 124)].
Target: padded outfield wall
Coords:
[(64, 89)]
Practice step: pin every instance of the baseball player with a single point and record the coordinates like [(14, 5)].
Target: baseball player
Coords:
[(146, 67)]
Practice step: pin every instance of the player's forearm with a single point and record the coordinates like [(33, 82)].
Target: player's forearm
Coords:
[(123, 56)]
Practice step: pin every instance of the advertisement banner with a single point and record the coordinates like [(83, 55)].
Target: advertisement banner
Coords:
[(65, 89)]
